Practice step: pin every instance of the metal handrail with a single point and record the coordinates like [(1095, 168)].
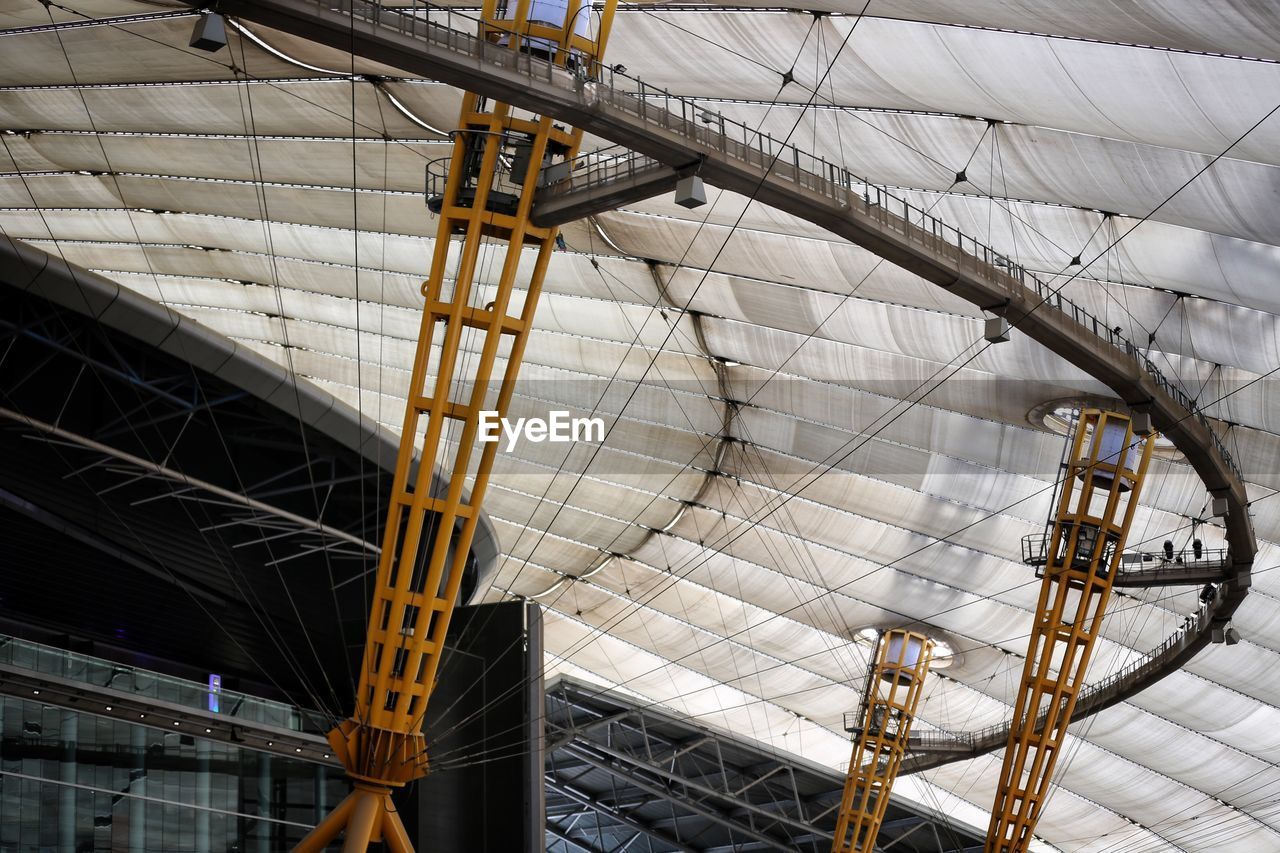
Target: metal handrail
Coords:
[(783, 160), (101, 673), (1035, 552), (606, 165), (442, 25), (1097, 693)]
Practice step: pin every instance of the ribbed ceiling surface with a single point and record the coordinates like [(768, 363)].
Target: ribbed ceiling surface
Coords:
[(727, 553)]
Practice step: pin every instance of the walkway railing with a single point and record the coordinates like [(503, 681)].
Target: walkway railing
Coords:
[(465, 32), (143, 683), (1095, 696), (817, 174), (702, 133), (834, 181), (1142, 568)]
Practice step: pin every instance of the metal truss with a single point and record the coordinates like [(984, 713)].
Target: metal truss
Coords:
[(131, 448), (624, 776), (668, 133), (293, 535)]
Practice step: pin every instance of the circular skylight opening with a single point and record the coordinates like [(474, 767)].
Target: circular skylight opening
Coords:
[(944, 654), (1060, 416)]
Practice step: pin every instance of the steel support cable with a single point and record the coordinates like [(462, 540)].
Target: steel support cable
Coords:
[(706, 8), (1075, 744), (684, 308), (803, 556), (421, 716), (309, 101), (382, 325), (1081, 736), (1211, 834), (473, 758), (795, 126), (826, 639), (831, 88), (257, 610), (133, 225), (755, 700), (816, 94), (807, 337), (236, 73), (740, 425), (639, 382), (1004, 186), (565, 656), (494, 753), (360, 360), (1121, 237), (1174, 372), (1147, 603), (142, 543), (1217, 795), (997, 644), (255, 157), (853, 113), (1008, 206), (636, 337), (1138, 605), (1204, 832)]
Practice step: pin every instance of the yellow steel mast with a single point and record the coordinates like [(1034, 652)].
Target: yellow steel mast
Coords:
[(498, 154), (893, 693), (1104, 476)]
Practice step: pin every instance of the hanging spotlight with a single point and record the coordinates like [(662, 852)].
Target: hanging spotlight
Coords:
[(996, 330), (690, 192), (1142, 423), (210, 33)]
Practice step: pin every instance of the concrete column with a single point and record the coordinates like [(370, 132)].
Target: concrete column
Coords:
[(203, 818), (68, 733), (263, 833), (319, 789), (138, 787)]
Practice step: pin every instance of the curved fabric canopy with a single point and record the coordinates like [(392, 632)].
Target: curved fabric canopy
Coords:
[(772, 481)]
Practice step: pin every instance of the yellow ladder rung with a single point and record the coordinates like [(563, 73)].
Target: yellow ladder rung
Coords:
[(435, 504), (449, 409), (476, 318)]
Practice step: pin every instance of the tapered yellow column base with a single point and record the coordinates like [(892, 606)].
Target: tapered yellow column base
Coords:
[(366, 815)]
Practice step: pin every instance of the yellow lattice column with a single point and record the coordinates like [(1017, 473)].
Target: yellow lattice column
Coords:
[(1106, 467), (498, 155), (893, 693)]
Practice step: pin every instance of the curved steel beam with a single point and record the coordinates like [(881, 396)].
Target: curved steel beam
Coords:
[(677, 132), (30, 269)]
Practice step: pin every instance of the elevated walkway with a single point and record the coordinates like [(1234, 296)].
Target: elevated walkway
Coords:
[(104, 688), (928, 749), (672, 135), (1144, 569)]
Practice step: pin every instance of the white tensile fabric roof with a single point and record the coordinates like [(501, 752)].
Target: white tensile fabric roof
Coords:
[(729, 579)]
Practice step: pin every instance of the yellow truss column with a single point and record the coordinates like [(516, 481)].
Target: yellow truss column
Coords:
[(893, 692), (1105, 471), (498, 155)]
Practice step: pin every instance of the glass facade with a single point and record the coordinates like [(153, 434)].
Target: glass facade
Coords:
[(72, 782), (142, 682)]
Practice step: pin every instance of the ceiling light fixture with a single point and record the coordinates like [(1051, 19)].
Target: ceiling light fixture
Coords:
[(210, 33)]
